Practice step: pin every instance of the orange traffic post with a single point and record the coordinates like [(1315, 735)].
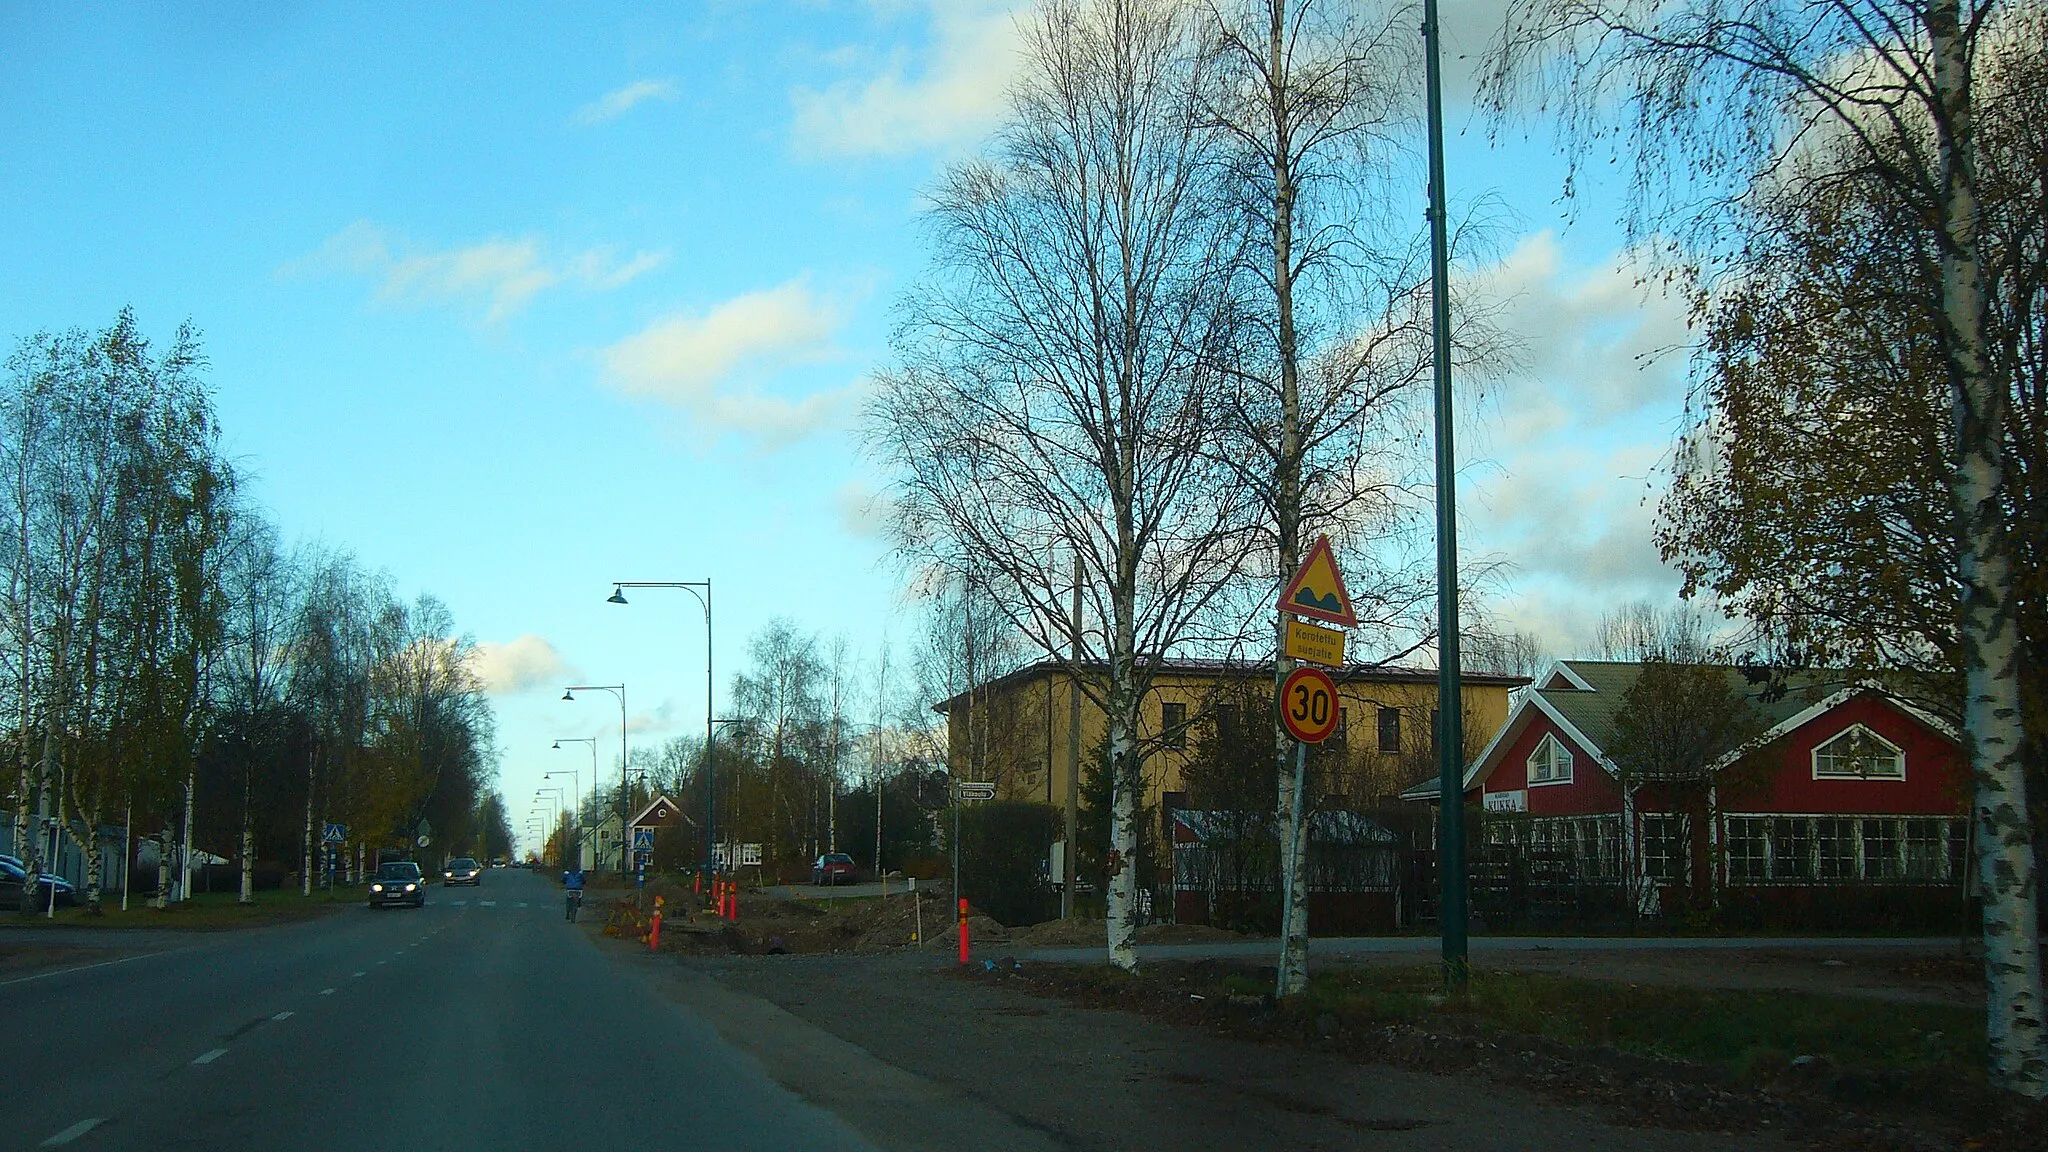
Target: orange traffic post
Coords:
[(654, 929), (963, 929)]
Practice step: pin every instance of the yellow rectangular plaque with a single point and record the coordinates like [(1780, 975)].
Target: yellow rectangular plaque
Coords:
[(1305, 641)]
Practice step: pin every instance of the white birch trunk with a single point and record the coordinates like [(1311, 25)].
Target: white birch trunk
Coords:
[(2006, 861)]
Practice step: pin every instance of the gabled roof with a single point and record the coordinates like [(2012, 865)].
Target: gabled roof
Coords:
[(661, 801), (1584, 698)]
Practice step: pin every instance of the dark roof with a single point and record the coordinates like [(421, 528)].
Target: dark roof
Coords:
[(1775, 694), (1349, 674)]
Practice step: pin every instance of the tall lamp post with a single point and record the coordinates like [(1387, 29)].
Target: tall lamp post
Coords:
[(701, 589), (618, 690), (1450, 737), (553, 818), (575, 776)]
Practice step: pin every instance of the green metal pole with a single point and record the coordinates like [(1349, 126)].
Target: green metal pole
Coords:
[(1450, 741)]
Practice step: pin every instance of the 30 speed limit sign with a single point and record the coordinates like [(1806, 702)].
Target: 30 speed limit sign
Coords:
[(1308, 705)]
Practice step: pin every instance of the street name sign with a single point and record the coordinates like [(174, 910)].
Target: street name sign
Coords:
[(975, 790), (1308, 705), (1305, 641), (1317, 590)]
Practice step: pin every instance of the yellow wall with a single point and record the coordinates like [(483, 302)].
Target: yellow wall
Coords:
[(1018, 732)]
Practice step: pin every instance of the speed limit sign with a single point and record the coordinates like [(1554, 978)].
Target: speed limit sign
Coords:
[(1308, 705)]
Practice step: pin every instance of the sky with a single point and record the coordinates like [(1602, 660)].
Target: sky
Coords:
[(517, 300)]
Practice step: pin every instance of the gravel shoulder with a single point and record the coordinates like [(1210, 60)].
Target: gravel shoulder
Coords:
[(918, 1057)]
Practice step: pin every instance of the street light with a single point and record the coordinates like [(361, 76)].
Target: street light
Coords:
[(693, 587), (575, 776), (618, 690)]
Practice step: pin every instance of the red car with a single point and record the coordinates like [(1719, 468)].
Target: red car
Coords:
[(831, 868)]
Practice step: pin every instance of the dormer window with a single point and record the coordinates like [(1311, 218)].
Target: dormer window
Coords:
[(1859, 754), (1551, 763)]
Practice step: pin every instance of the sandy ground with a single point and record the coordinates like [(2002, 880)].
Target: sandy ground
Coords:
[(918, 1057)]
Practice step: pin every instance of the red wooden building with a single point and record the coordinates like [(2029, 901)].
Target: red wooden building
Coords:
[(1849, 804)]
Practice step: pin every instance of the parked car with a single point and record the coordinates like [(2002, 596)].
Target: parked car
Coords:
[(398, 882), (462, 870), (833, 867), (13, 886)]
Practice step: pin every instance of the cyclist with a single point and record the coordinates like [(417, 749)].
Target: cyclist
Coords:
[(572, 884)]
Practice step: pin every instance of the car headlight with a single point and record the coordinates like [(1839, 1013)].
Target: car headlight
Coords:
[(447, 875), (376, 887), (410, 887)]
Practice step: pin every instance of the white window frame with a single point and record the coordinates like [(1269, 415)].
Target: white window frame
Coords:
[(1560, 755), (1896, 751)]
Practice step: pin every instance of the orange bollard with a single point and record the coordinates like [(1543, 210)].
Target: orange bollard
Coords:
[(963, 929), (697, 884), (654, 931)]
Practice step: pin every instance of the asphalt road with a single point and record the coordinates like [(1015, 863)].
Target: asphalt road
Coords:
[(483, 1021)]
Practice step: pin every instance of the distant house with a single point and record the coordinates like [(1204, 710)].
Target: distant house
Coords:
[(1848, 804)]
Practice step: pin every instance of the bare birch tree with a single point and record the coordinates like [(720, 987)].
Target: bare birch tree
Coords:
[(1314, 104), (1056, 397), (1716, 104)]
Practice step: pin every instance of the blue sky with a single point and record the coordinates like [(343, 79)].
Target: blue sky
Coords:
[(516, 300)]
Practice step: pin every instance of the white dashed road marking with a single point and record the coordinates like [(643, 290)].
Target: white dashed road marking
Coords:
[(282, 1016), (353, 975), (73, 1132), (487, 903), (210, 1057)]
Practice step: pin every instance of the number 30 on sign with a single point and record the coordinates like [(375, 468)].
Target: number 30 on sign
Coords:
[(1308, 705)]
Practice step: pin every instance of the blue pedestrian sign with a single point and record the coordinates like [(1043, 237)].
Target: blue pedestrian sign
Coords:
[(643, 839), (334, 833)]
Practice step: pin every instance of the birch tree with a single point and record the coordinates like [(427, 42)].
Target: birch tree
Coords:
[(1314, 107), (1055, 397), (1716, 105)]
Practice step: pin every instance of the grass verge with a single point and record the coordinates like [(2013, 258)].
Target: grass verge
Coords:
[(204, 911)]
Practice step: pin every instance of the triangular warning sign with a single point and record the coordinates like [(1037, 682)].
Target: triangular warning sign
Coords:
[(1317, 590)]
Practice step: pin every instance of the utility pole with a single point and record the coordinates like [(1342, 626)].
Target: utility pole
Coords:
[(1450, 741)]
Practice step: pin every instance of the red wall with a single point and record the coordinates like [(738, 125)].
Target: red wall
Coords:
[(1592, 790), (1935, 783), (1936, 780)]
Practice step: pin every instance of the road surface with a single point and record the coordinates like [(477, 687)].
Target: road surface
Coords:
[(483, 1021)]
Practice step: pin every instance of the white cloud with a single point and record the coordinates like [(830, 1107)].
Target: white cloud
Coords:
[(946, 92), (1578, 438), (709, 364), (502, 275), (520, 665), (615, 104)]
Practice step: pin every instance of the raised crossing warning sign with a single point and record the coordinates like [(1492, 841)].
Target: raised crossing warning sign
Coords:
[(1317, 590)]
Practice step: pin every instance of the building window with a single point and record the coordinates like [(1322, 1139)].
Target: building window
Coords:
[(1227, 722), (1859, 754), (1665, 847), (1551, 763), (1390, 729), (1881, 849), (1748, 849), (1791, 848), (1836, 840), (1173, 725), (1341, 738)]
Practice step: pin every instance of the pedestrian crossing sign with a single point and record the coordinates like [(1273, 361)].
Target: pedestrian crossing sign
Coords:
[(1317, 590), (643, 839)]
